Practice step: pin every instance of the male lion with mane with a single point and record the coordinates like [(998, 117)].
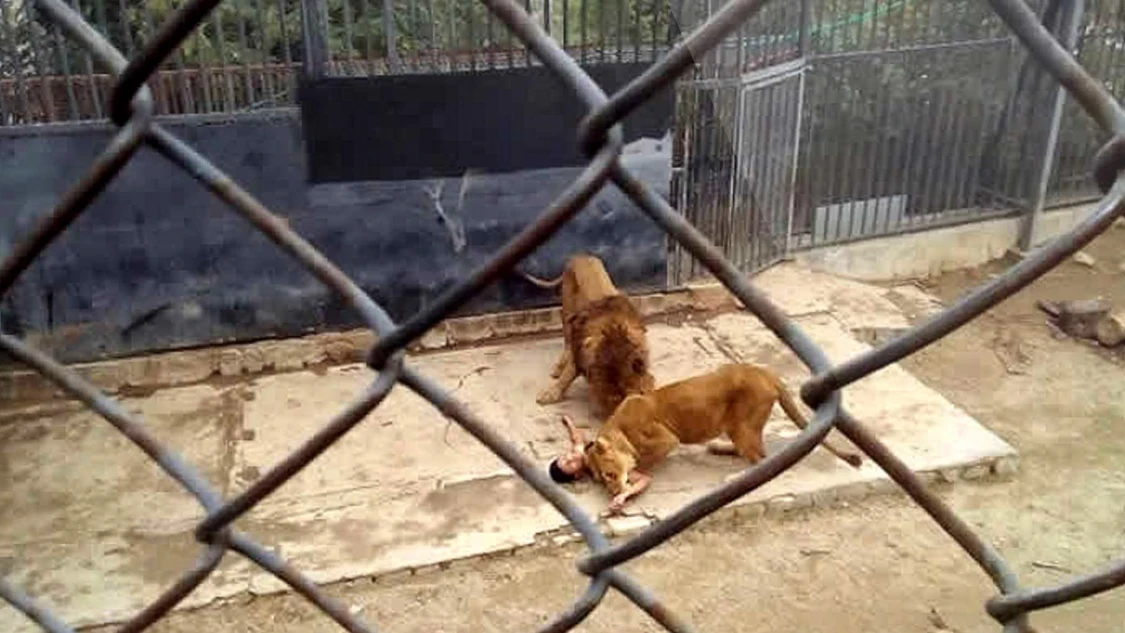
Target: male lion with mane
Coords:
[(604, 337)]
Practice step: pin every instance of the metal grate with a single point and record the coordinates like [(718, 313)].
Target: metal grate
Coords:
[(600, 135)]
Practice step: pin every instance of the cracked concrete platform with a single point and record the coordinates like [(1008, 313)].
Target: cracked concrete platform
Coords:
[(97, 531)]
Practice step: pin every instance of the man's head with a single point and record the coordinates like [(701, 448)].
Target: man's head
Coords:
[(567, 468)]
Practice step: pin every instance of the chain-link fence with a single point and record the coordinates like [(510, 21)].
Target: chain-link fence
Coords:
[(131, 109)]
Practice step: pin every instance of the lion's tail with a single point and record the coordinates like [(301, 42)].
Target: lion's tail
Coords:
[(789, 405), (542, 283)]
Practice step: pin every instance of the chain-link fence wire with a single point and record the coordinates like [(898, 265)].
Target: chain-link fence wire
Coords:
[(600, 137)]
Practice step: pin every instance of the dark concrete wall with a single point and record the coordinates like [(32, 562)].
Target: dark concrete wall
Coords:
[(429, 126), (158, 263)]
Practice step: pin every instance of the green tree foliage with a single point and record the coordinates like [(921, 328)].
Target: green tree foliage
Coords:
[(269, 31)]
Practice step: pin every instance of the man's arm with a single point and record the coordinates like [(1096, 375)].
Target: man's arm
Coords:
[(577, 438), (638, 483)]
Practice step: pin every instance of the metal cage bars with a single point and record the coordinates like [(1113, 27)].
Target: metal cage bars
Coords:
[(600, 138)]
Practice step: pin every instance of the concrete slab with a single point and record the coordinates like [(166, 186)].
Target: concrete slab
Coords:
[(372, 532), (405, 489), (93, 526), (76, 473), (924, 429), (913, 301), (799, 292), (96, 578)]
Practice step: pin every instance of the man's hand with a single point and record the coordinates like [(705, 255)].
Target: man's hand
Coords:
[(638, 483), (618, 503), (568, 423), (577, 438)]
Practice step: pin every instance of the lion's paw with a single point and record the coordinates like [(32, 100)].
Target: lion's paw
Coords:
[(550, 396)]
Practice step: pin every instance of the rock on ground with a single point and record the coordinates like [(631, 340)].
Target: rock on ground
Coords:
[(1111, 329), (1077, 318), (1085, 259)]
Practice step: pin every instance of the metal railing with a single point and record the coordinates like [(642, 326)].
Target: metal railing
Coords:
[(1101, 49), (244, 57), (438, 36), (600, 138), (248, 54), (911, 115)]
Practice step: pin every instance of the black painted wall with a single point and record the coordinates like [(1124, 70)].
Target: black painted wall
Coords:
[(497, 121), (159, 263)]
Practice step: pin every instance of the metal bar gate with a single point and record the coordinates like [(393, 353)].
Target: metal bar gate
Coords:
[(734, 174)]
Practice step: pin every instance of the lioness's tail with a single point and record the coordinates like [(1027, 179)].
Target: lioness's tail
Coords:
[(542, 283), (789, 405)]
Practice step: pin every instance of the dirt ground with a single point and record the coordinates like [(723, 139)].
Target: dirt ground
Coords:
[(877, 565)]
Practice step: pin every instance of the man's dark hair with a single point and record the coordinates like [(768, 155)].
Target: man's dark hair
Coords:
[(558, 475)]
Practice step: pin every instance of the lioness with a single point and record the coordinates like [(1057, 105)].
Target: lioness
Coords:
[(604, 337), (734, 399)]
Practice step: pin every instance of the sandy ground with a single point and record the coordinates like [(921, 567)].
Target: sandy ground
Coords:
[(876, 565)]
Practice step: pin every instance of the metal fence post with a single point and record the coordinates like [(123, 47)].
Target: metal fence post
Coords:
[(390, 35), (314, 35), (803, 42), (1067, 35)]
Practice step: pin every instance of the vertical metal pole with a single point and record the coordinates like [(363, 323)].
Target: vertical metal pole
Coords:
[(314, 23), (287, 80), (686, 96), (391, 35), (1069, 22), (738, 179), (349, 39), (9, 47), (799, 120), (806, 18)]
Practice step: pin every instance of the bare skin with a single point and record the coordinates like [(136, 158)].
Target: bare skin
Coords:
[(573, 463)]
